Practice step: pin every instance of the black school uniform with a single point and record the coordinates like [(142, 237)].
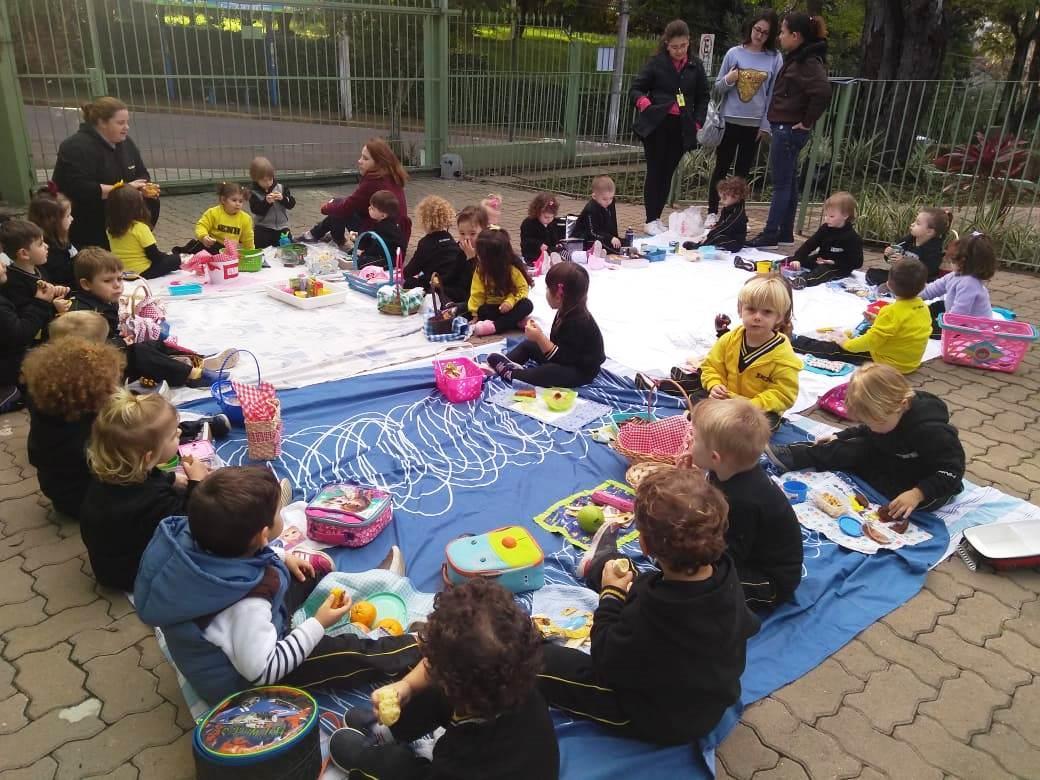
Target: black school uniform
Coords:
[(575, 359), (930, 253), (533, 234), (730, 232), (58, 268), (439, 253), (19, 327), (57, 449), (20, 289), (117, 522), (666, 658), (519, 744), (369, 251), (764, 538), (842, 245), (596, 223)]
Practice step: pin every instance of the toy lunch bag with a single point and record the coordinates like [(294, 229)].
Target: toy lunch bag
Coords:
[(508, 555), (348, 515), (260, 734)]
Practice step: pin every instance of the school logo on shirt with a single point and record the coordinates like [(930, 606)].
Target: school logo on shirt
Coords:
[(907, 455), (229, 229), (764, 377)]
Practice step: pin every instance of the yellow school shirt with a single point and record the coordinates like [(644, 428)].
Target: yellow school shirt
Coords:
[(217, 223), (130, 247), (770, 379), (898, 336), (478, 296)]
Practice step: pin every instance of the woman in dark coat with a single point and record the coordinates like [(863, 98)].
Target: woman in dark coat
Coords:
[(671, 95), (91, 160)]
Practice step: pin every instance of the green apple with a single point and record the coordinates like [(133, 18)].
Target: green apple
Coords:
[(590, 518)]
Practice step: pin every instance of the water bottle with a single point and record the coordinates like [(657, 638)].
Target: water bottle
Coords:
[(630, 236)]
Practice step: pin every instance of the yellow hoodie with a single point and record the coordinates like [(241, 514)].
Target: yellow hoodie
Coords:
[(770, 380), (898, 336), (478, 296), (217, 223)]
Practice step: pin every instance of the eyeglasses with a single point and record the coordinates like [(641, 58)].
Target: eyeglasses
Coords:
[(760, 31), (678, 46)]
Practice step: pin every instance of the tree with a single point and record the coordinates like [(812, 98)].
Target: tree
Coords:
[(904, 39)]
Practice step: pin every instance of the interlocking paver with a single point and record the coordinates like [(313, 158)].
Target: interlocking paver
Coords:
[(121, 684), (118, 604), (50, 679), (1024, 713), (918, 614), (12, 713), (25, 613), (989, 664), (924, 663), (125, 772), (1016, 650), (18, 543), (1028, 622), (744, 754), (810, 747), (820, 692), (64, 585), (859, 738), (978, 618), (43, 769), (1004, 588), (56, 629), (965, 705), (859, 660), (933, 742), (20, 513), (170, 690), (43, 735), (17, 583), (67, 549), (168, 762), (151, 655), (1011, 751), (891, 697), (117, 744), (7, 672), (786, 769), (945, 586), (115, 636)]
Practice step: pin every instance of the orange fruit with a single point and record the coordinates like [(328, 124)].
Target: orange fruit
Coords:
[(363, 612), (391, 626), (362, 626)]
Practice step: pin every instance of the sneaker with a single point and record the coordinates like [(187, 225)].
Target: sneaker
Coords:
[(711, 221), (798, 282), (764, 241), (782, 456), (225, 359), (603, 545), (484, 328), (680, 374), (346, 746), (722, 323), (655, 228), (219, 426), (393, 562), (207, 379), (503, 366), (321, 561)]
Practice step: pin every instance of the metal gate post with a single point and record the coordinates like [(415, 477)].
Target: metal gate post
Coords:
[(435, 82), (572, 100), (96, 74), (16, 170)]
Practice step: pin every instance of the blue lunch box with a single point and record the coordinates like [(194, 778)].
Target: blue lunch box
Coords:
[(510, 556)]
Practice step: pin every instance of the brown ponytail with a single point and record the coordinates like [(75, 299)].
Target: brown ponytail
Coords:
[(102, 109), (811, 28)]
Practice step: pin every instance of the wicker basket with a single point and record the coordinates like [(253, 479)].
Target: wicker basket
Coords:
[(443, 321), (264, 438), (658, 441)]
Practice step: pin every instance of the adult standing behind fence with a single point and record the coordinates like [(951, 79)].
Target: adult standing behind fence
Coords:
[(745, 80), (800, 96), (91, 161), (671, 94)]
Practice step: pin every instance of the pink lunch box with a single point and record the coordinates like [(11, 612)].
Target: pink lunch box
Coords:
[(348, 515)]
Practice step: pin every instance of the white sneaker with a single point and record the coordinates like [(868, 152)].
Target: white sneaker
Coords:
[(655, 228), (711, 221)]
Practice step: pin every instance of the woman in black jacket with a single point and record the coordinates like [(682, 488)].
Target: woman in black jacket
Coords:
[(93, 159), (671, 94)]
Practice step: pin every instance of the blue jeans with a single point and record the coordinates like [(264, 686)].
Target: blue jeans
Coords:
[(783, 165)]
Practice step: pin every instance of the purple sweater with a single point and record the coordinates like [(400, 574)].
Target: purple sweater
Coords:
[(963, 294)]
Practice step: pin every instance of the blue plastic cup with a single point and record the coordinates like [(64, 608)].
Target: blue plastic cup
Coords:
[(795, 491)]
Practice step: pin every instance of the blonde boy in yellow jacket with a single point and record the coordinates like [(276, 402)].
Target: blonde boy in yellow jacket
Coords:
[(754, 360)]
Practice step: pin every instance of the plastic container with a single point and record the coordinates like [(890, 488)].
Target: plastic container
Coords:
[(250, 260), (979, 342), (795, 491), (763, 266), (708, 252), (224, 393), (223, 270), (293, 254), (559, 399), (185, 288), (459, 389), (319, 301)]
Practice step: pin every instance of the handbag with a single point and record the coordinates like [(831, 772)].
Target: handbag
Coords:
[(441, 322), (348, 515), (714, 127)]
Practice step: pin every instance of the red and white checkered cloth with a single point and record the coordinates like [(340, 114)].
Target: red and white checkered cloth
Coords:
[(259, 402), (665, 438)]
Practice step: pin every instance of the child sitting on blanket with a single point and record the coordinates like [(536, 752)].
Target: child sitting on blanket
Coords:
[(668, 646), (538, 232), (477, 681), (598, 220), (572, 352), (100, 275), (224, 221), (68, 380), (963, 291), (270, 202), (764, 537), (128, 224), (384, 210), (439, 254), (498, 294), (223, 598), (835, 250), (492, 204), (925, 242), (904, 447), (730, 231), (753, 361), (900, 331), (129, 495)]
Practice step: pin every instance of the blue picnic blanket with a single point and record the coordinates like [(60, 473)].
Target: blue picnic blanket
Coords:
[(473, 467)]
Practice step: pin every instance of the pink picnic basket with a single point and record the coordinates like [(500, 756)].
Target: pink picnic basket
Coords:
[(663, 440), (262, 416), (980, 342), (460, 379)]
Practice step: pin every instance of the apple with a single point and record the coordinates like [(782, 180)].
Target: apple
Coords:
[(590, 518)]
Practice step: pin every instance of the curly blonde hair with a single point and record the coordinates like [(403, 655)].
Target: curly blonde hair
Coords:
[(85, 324), (72, 377), (435, 213), (127, 430), (681, 518)]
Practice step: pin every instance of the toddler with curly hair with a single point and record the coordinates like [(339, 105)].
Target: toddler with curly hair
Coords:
[(477, 680), (438, 253), (668, 645), (68, 381)]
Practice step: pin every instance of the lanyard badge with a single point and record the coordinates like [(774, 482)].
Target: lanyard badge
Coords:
[(680, 99)]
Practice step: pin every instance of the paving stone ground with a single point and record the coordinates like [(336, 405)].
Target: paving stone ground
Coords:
[(945, 686)]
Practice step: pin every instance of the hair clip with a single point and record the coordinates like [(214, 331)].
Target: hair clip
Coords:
[(118, 184), (977, 233), (52, 187)]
